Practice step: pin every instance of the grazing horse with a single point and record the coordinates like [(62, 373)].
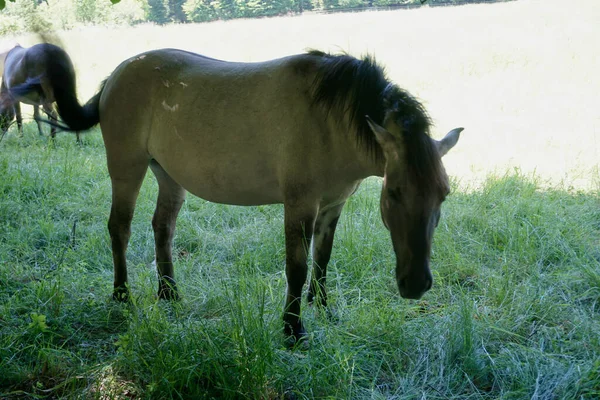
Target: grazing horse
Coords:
[(303, 130), (24, 81)]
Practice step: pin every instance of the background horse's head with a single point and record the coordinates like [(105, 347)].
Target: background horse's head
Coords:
[(7, 112), (414, 186)]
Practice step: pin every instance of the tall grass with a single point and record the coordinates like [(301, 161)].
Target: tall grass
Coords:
[(513, 312)]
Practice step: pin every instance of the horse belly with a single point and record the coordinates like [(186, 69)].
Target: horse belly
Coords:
[(217, 188), (222, 177), (32, 99)]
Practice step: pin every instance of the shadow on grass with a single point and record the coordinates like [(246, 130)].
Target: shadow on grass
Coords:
[(513, 311)]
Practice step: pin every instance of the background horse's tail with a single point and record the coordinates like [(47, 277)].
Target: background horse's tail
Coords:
[(60, 75), (76, 116)]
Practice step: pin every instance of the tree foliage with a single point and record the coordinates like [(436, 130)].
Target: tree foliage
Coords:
[(33, 15), (157, 12), (176, 13), (49, 15)]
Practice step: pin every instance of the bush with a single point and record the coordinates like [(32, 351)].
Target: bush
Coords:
[(8, 25), (176, 13), (48, 15), (34, 16), (353, 3), (127, 13), (200, 11), (157, 12)]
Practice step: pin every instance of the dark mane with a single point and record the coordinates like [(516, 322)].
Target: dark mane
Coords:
[(345, 84), (422, 158), (359, 87)]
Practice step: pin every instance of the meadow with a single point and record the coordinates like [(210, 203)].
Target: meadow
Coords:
[(515, 308)]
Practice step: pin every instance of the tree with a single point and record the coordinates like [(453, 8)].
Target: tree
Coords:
[(3, 4), (157, 12), (176, 13), (86, 10)]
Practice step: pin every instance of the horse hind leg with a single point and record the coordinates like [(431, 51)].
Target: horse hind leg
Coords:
[(325, 225), (49, 110), (126, 182), (170, 198)]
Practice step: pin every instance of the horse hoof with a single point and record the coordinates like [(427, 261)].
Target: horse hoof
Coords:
[(169, 295), (167, 289), (296, 337), (121, 294)]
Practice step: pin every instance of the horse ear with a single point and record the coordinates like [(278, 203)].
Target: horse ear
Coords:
[(448, 141), (384, 138)]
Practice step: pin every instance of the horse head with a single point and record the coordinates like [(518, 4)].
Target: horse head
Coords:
[(414, 186)]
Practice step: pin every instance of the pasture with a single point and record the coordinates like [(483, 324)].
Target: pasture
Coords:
[(514, 311)]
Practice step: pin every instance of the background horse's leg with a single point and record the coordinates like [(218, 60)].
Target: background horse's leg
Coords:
[(299, 224), (19, 118), (322, 244), (37, 118), (126, 178), (170, 198), (49, 110)]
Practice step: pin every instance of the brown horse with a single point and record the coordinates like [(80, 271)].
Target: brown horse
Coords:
[(304, 131), (25, 68)]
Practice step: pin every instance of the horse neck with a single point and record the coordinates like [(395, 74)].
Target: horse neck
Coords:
[(364, 163), (357, 161)]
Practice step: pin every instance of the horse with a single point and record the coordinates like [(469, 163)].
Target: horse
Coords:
[(24, 68), (302, 130)]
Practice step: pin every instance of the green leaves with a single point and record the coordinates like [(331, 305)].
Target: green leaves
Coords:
[(3, 4), (38, 323)]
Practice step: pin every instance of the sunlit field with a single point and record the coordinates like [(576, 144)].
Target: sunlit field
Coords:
[(514, 312), (521, 77)]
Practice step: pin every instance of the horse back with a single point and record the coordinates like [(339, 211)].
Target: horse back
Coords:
[(248, 126)]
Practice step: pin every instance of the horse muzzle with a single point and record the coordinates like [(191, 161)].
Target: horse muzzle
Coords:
[(413, 286)]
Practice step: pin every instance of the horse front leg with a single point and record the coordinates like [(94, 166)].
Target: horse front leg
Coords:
[(299, 224), (322, 244), (170, 199), (19, 118)]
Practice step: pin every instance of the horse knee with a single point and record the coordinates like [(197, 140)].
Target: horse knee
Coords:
[(163, 230), (296, 276), (117, 229)]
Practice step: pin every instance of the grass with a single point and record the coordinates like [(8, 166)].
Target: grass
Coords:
[(513, 313)]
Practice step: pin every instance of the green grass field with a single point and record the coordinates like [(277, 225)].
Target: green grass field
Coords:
[(515, 308)]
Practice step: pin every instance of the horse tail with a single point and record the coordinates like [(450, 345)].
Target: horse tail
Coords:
[(77, 117)]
